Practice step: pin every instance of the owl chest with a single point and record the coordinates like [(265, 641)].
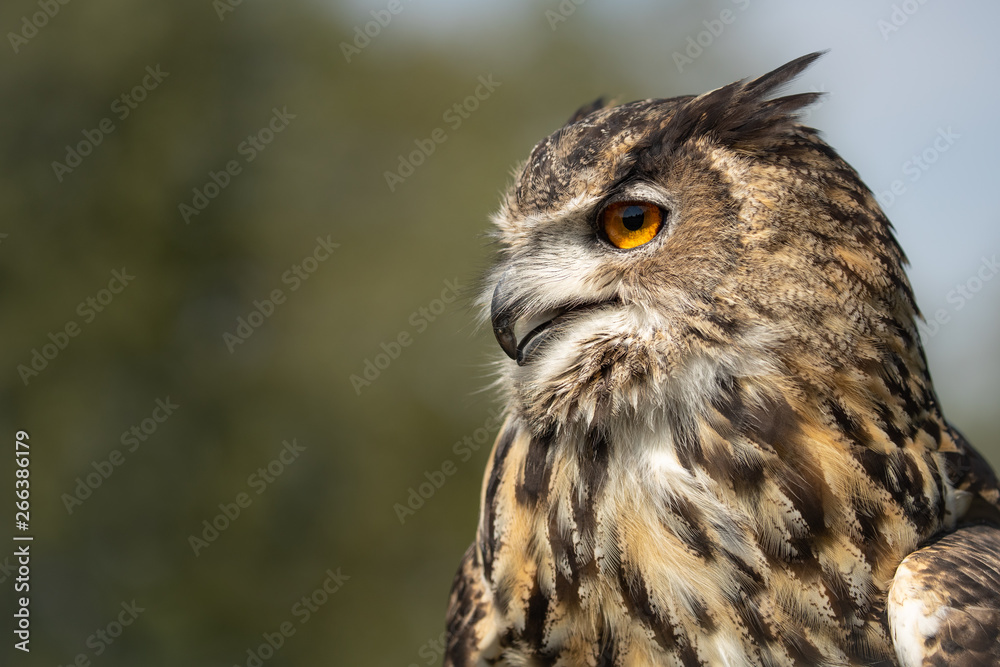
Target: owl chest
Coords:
[(663, 565), (639, 553)]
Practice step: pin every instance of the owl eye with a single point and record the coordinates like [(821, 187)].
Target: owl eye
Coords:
[(631, 224)]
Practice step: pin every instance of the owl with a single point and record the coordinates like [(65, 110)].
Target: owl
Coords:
[(722, 445)]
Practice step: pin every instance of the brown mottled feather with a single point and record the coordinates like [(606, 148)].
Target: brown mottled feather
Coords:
[(723, 442), (955, 581), (467, 608)]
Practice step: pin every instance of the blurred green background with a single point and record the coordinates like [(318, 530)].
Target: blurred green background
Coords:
[(346, 114)]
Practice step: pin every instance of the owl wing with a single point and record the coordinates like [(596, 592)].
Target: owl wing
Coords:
[(944, 602), (470, 628)]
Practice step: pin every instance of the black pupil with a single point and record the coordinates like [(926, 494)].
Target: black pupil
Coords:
[(633, 217)]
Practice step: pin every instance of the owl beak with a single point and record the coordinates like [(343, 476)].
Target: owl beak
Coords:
[(518, 331), (502, 314)]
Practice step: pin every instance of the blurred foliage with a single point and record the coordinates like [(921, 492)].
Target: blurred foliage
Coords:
[(162, 336)]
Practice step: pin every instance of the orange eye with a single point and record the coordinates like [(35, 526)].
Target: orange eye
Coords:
[(631, 224)]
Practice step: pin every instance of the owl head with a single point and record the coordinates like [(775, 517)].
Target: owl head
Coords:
[(653, 253)]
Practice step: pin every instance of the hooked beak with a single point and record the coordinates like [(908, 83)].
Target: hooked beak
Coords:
[(518, 330), (502, 315)]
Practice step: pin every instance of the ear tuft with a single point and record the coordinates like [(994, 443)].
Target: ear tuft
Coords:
[(740, 114), (586, 110)]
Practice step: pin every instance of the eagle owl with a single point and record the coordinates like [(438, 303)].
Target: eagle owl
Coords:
[(722, 445)]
